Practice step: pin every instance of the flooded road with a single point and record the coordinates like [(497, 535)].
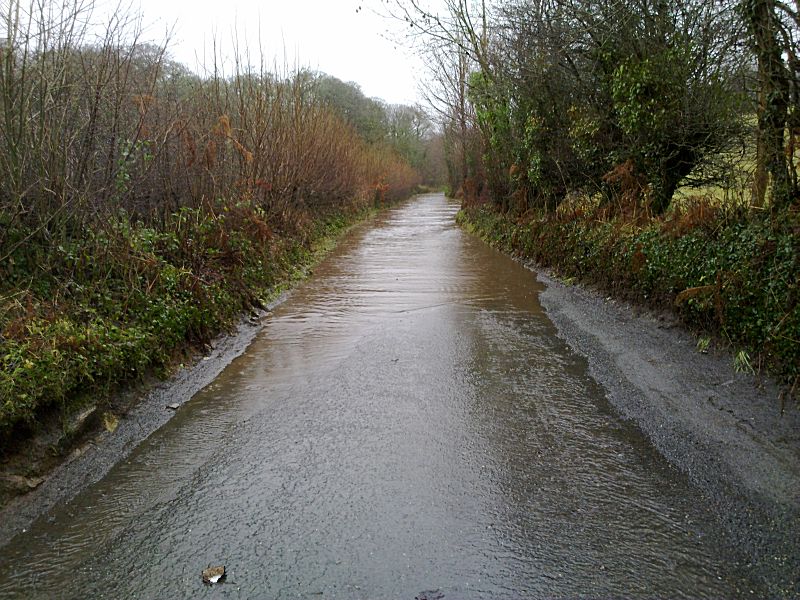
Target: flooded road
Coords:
[(407, 421)]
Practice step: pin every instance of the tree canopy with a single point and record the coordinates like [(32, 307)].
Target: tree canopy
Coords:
[(628, 99)]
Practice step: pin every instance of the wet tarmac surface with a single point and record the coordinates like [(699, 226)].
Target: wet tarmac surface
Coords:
[(406, 425)]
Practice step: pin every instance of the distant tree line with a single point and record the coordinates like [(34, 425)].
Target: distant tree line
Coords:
[(408, 130)]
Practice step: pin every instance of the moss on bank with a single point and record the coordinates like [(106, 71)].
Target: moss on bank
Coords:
[(82, 314), (734, 275)]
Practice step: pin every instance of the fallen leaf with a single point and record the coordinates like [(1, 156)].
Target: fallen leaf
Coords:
[(110, 422)]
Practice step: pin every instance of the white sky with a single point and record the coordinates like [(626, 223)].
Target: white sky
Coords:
[(324, 35)]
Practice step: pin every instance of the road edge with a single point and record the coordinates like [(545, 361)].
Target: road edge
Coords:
[(723, 429)]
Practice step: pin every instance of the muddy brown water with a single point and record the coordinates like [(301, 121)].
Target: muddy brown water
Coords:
[(407, 422)]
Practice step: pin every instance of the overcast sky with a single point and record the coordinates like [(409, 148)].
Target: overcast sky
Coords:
[(325, 35)]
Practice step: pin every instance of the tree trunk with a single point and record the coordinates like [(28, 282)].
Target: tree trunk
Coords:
[(774, 88), (760, 175), (462, 116), (673, 169)]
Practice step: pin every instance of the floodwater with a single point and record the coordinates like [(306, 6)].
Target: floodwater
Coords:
[(406, 425)]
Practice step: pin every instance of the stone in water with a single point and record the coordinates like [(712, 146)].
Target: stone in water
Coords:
[(213, 575)]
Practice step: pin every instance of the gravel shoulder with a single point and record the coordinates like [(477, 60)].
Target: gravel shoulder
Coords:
[(725, 430)]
